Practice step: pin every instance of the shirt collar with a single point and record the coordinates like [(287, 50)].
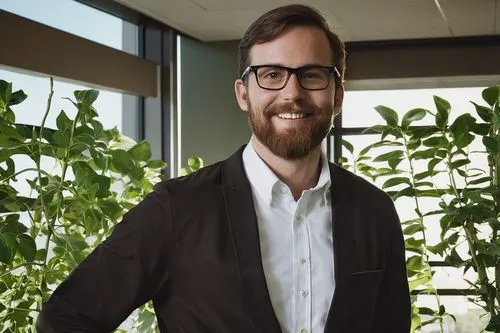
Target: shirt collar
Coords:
[(263, 180), (260, 176)]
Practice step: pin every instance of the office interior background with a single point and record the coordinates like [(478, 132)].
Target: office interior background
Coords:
[(165, 70)]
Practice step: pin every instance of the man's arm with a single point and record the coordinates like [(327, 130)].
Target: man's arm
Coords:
[(393, 312), (121, 274)]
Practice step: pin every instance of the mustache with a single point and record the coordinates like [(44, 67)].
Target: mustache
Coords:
[(303, 107)]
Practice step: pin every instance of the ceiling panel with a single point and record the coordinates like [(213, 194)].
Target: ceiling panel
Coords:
[(353, 20), (390, 19), (470, 17)]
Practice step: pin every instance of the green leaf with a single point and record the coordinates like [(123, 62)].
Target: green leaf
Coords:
[(137, 173), (492, 145), (376, 129), (74, 243), (3, 288), (491, 95), (395, 181), (414, 143), (111, 209), (122, 161), (394, 163), (156, 164), (426, 311), (104, 185), (86, 97), (63, 122), (41, 254), (436, 142), (459, 163), (423, 154), (92, 220), (420, 281), (454, 259), (5, 93), (13, 226), (441, 153), (439, 248), (483, 112), (443, 111), (460, 129), (424, 132), (411, 116), (141, 151), (423, 175), (27, 247), (61, 139), (389, 115), (348, 146), (480, 180), (195, 163), (17, 97), (393, 155), (424, 184), (5, 251), (413, 229)]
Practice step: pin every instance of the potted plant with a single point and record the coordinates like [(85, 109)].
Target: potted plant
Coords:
[(82, 179), (436, 162)]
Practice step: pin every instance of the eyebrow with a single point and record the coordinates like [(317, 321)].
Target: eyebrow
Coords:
[(306, 65)]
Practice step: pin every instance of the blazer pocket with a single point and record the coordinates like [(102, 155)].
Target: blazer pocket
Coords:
[(367, 273), (365, 290)]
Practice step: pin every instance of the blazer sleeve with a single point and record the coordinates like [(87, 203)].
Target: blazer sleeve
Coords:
[(393, 312), (121, 274)]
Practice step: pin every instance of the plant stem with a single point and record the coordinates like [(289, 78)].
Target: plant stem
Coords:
[(19, 266), (38, 167), (60, 197), (26, 170), (421, 220)]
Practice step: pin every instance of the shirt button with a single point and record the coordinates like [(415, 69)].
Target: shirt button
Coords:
[(299, 219), (302, 330), (304, 293), (283, 189), (302, 260)]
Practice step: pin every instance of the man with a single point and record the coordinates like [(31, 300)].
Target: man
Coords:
[(273, 239)]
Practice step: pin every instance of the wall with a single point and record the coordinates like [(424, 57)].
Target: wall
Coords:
[(212, 124)]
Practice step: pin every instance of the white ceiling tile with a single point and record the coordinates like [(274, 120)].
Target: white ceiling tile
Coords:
[(354, 20), (390, 19), (470, 17)]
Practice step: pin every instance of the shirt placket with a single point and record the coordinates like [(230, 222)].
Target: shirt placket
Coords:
[(301, 259)]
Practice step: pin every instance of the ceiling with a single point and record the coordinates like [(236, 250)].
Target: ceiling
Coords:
[(352, 20)]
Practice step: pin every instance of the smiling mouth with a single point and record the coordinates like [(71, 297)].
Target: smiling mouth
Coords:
[(292, 116)]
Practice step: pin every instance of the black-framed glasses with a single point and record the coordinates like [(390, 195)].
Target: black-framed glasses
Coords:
[(272, 77)]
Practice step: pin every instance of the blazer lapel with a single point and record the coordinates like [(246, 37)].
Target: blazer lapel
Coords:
[(342, 214), (244, 230)]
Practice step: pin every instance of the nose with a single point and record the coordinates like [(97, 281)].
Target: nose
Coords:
[(293, 90)]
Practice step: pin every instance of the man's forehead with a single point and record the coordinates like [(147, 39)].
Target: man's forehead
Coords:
[(297, 46)]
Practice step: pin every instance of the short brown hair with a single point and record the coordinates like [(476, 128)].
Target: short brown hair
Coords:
[(270, 25)]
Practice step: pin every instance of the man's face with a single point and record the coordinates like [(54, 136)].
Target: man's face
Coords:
[(292, 121)]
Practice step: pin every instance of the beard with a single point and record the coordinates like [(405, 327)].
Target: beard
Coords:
[(294, 142)]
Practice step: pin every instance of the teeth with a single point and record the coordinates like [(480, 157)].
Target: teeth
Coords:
[(291, 115)]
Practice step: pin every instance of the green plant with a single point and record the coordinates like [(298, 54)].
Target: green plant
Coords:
[(433, 162), (82, 178)]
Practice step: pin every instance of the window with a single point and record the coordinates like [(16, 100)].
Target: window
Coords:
[(115, 109), (358, 114)]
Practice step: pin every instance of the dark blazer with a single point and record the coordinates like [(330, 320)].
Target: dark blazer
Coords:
[(192, 246)]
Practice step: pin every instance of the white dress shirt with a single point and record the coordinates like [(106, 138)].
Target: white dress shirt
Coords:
[(296, 245)]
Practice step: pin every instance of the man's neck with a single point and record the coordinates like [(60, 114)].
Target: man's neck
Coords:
[(301, 174)]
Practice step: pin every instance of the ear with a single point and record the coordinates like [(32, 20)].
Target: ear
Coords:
[(240, 89), (338, 99)]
